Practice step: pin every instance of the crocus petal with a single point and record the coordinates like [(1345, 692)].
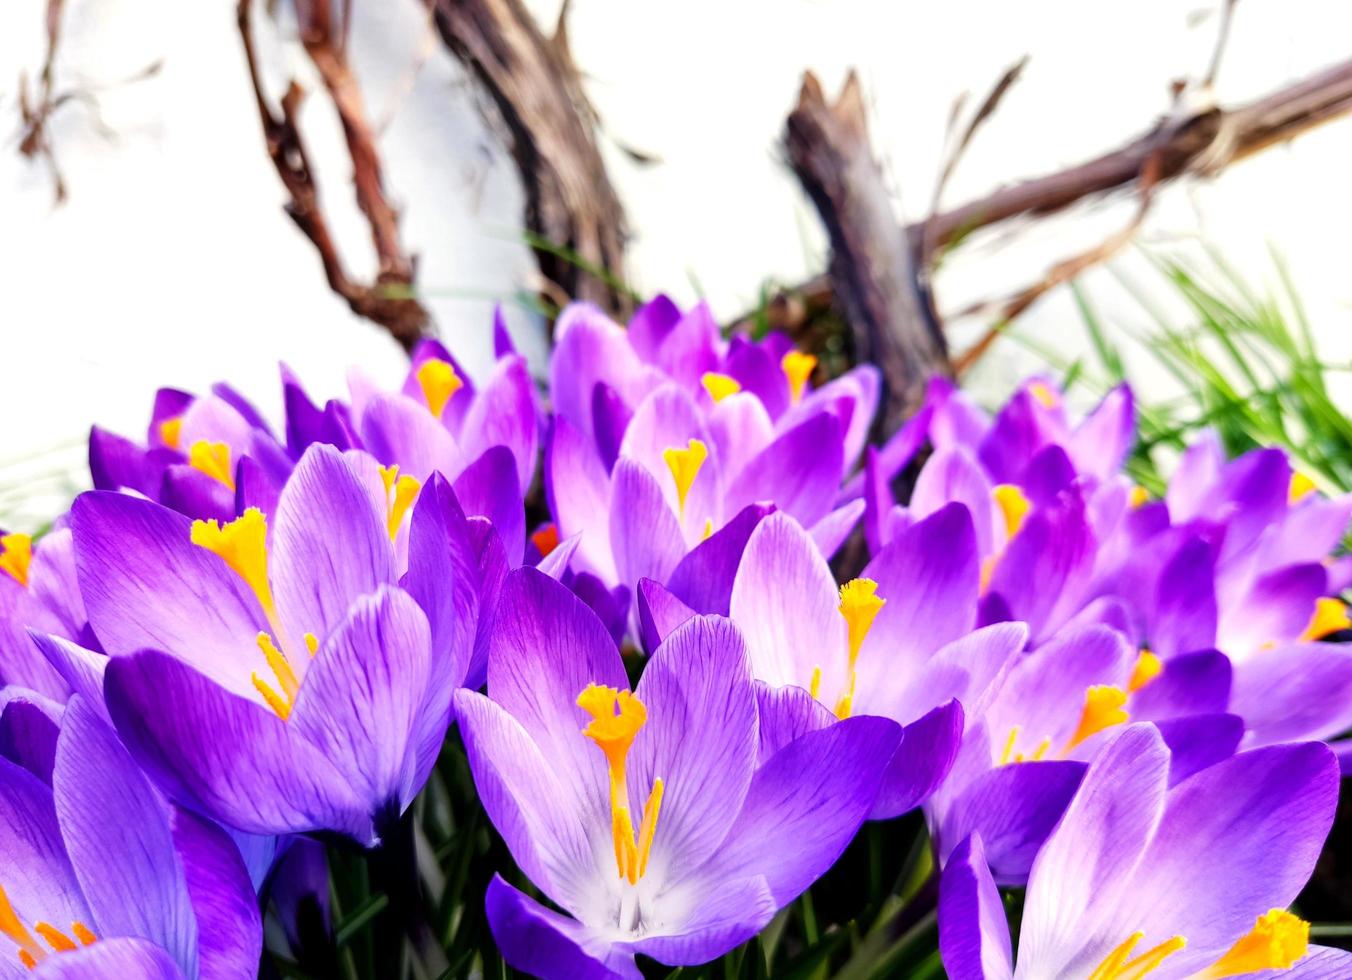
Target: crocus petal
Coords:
[(578, 489), (970, 669), (723, 918), (784, 599), (29, 724), (1308, 532), (1014, 806), (229, 930), (957, 420), (829, 533), (488, 487), (651, 323), (700, 739), (503, 413), (590, 347), (398, 430), (690, 347), (1229, 819), (1101, 442), (926, 754), (546, 648), (858, 388), (668, 419), (1189, 490), (816, 791), (146, 585), (1077, 884), (1049, 472), (610, 421), (1319, 963), (116, 832), (703, 578), (1195, 683), (740, 428), (1199, 741), (898, 451), (1295, 692), (229, 758), (1183, 614), (659, 613), (121, 956), (192, 492), (643, 528), (1275, 609), (785, 714), (759, 374), (928, 578), (361, 698), (1040, 574), (543, 943), (38, 876), (973, 933), (951, 475), (116, 463), (799, 472)]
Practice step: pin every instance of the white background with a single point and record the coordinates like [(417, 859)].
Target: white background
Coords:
[(172, 262)]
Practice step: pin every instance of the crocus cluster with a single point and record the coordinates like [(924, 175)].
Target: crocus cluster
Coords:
[(622, 598)]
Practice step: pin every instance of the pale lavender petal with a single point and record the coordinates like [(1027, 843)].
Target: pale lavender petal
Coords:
[(643, 527), (1101, 442), (503, 413), (650, 325), (741, 429), (952, 475), (400, 431), (690, 347), (1295, 692), (799, 472), (973, 932), (700, 740), (361, 700), (703, 579), (829, 533), (39, 881), (668, 419), (589, 347), (121, 956), (224, 756), (578, 489), (659, 613), (543, 943), (229, 930), (785, 714), (1276, 609), (784, 599), (722, 918)]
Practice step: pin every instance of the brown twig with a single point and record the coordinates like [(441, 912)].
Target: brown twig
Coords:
[(388, 301), (36, 111), (1181, 146), (573, 214), (872, 263)]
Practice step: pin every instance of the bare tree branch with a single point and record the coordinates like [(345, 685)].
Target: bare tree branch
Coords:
[(573, 214), (389, 301), (872, 262), (1197, 144)]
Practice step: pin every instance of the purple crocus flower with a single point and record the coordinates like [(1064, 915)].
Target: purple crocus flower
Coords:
[(38, 591), (600, 373), (899, 642), (101, 877), (650, 816), (676, 478), (1141, 878), (307, 690), (192, 458)]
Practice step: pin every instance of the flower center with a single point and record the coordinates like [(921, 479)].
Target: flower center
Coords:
[(242, 544), (171, 431), (400, 492), (16, 554), (616, 718), (1045, 396), (31, 951), (685, 465), (213, 459), (860, 605), (1301, 487), (1014, 506), (439, 383), (1102, 709), (1145, 670), (797, 367), (1119, 964), (720, 386)]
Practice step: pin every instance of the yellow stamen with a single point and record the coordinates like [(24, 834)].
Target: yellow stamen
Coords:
[(83, 934), (1301, 486), (439, 383), (311, 643), (1117, 966), (546, 539), (1275, 942), (1102, 709), (16, 554), (1008, 754), (708, 531), (275, 701), (400, 492), (1138, 496), (1146, 669), (815, 685), (286, 677), (1014, 506), (720, 386), (243, 545), (859, 604), (213, 459), (56, 939), (617, 717), (987, 572), (649, 828), (1044, 395), (685, 466), (1041, 750), (797, 367), (1330, 616), (171, 431)]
